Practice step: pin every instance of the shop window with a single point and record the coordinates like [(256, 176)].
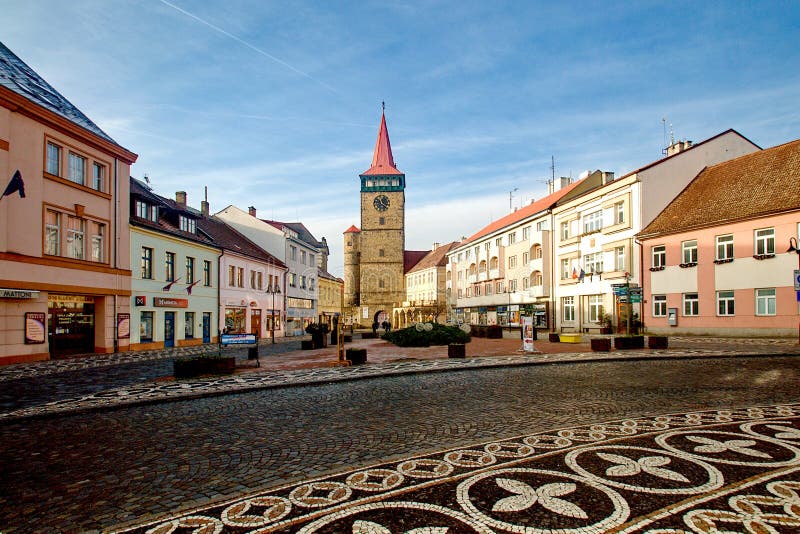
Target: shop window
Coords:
[(235, 320), (146, 326), (189, 325)]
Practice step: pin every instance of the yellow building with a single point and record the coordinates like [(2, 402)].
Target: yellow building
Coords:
[(329, 304)]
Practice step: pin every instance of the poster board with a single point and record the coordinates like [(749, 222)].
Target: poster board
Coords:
[(35, 327), (123, 326), (527, 333)]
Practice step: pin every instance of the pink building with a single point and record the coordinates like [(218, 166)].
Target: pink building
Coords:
[(64, 242), (717, 259)]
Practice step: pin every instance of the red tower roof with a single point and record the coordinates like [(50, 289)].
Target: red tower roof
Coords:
[(382, 160), (352, 230)]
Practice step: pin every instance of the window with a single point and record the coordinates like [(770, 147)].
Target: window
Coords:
[(765, 241), (293, 252), (512, 262), (252, 279), (512, 285), (381, 253), (595, 308), (565, 269), (526, 282), (564, 231), (524, 258), (659, 305), (487, 246), (619, 212), (537, 278), (52, 240), (765, 301), (541, 225), (381, 221), (381, 283), (460, 293), (500, 287), (146, 326), (568, 307), (593, 263), (477, 252), (482, 266), (725, 304), (292, 280), (303, 257), (593, 222), (494, 263), (311, 284), (154, 213), (98, 176), (691, 304), (240, 277), (259, 280), (468, 292), (53, 156), (724, 247), (231, 276), (477, 291), (302, 281), (169, 265), (206, 273), (98, 241), (187, 224), (189, 270), (526, 233), (689, 251), (75, 234), (77, 168), (311, 260), (498, 242), (147, 263), (189, 325), (659, 256), (512, 238), (619, 258)]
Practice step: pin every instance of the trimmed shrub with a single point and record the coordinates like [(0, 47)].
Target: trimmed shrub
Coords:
[(437, 335), (601, 344)]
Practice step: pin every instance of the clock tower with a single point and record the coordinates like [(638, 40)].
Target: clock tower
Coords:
[(381, 241)]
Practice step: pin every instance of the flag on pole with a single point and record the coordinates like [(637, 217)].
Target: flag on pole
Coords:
[(169, 286), (15, 185), (574, 272), (190, 286), (581, 276)]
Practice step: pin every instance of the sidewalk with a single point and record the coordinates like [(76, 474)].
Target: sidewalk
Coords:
[(108, 381)]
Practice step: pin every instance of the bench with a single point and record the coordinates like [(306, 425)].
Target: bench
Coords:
[(571, 338)]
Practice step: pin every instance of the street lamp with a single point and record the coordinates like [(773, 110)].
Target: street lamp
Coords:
[(794, 248), (273, 290)]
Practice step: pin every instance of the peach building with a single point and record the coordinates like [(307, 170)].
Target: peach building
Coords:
[(717, 258), (64, 243)]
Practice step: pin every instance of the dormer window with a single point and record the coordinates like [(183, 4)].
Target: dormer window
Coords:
[(187, 224), (144, 210)]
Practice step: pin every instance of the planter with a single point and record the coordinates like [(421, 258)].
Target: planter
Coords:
[(319, 340), (629, 342), (456, 350), (601, 344), (204, 365), (368, 335), (479, 330), (356, 356), (606, 330), (348, 338), (553, 338), (307, 344), (657, 342), (494, 332)]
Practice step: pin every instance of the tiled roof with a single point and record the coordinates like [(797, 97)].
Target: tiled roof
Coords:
[(411, 258), (299, 228), (328, 276), (522, 213), (754, 185), (434, 258), (228, 238), (352, 230), (382, 160), (18, 77)]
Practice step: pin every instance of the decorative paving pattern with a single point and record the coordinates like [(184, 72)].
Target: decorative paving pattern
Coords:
[(147, 392), (714, 471)]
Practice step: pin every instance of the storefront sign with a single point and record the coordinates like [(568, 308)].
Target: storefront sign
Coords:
[(68, 298), (140, 300), (123, 325), (238, 339), (34, 327), (164, 302), (18, 294)]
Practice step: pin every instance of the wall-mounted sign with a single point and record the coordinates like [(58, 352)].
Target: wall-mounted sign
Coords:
[(18, 294), (35, 327), (238, 339), (140, 300), (123, 325), (166, 302)]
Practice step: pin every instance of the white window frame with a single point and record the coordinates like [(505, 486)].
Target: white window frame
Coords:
[(693, 300), (724, 247), (726, 303), (619, 258), (619, 212), (565, 271), (53, 233), (76, 238), (564, 231), (593, 221), (658, 254), (593, 263), (766, 302), (77, 168), (764, 241), (187, 224), (98, 176), (568, 309), (689, 251), (53, 159), (595, 308), (659, 305)]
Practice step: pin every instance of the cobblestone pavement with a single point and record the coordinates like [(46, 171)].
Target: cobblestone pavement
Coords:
[(135, 465)]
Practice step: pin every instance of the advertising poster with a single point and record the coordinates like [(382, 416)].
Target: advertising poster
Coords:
[(35, 327), (123, 326), (527, 333)]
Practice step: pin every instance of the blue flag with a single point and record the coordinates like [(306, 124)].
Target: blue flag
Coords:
[(15, 185)]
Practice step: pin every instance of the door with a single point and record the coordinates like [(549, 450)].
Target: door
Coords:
[(206, 327), (255, 322), (169, 329)]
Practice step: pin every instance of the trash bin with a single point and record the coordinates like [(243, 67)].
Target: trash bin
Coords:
[(252, 353)]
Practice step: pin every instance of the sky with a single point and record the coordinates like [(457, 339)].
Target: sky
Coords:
[(277, 105)]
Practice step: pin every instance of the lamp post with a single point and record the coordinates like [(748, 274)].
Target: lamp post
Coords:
[(794, 248), (273, 290)]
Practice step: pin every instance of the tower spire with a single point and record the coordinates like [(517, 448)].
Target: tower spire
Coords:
[(382, 159)]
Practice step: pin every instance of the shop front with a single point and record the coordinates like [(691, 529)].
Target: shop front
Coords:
[(70, 324), (300, 313), (235, 319)]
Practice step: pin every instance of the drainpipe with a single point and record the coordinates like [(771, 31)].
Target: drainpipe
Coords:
[(552, 274), (641, 282), (116, 247)]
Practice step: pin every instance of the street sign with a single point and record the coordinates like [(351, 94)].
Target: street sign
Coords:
[(797, 279)]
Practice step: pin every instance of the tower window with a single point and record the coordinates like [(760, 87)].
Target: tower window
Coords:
[(381, 252), (382, 221), (380, 283)]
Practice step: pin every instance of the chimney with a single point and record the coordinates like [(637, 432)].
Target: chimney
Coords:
[(435, 246), (204, 207), (678, 147), (252, 211), (180, 198), (608, 177)]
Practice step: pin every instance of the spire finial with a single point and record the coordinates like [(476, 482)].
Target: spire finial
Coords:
[(383, 106)]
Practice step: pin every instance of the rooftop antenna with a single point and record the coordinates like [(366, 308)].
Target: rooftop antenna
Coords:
[(146, 178), (664, 124), (383, 106), (671, 135), (510, 195)]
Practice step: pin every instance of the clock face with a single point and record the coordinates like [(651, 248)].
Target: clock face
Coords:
[(381, 203)]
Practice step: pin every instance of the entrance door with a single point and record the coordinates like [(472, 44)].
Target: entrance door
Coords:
[(206, 327), (255, 322), (169, 329)]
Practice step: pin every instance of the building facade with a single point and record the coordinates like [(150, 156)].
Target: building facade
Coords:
[(426, 289), (331, 290), (718, 260), (175, 286), (64, 241)]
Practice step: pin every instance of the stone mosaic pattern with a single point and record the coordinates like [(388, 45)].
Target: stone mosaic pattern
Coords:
[(709, 471)]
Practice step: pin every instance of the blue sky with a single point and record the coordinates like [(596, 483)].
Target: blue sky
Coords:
[(277, 104)]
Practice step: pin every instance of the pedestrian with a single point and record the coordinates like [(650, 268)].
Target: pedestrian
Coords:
[(375, 328)]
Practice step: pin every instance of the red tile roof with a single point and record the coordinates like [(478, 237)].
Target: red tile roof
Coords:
[(434, 258), (754, 185), (352, 230), (526, 211), (382, 160), (412, 258)]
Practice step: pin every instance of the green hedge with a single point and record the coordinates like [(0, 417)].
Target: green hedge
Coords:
[(438, 335)]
